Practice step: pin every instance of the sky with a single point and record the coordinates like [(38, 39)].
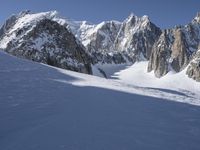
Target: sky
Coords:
[(164, 13)]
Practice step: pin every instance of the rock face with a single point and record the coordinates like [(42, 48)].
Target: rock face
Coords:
[(118, 42), (160, 55), (193, 70), (8, 24), (137, 36), (43, 40), (99, 42), (180, 51), (174, 48), (76, 45), (45, 37)]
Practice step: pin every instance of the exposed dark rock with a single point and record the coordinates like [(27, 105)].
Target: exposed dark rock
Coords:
[(193, 70), (160, 55), (175, 48), (49, 42)]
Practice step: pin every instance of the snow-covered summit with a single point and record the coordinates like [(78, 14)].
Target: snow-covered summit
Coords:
[(132, 19), (109, 42), (25, 20), (43, 37), (197, 18), (109, 38)]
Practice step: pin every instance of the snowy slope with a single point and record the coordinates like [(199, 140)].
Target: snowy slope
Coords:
[(46, 108), (137, 75)]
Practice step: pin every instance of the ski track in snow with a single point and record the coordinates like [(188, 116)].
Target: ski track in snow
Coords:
[(43, 107)]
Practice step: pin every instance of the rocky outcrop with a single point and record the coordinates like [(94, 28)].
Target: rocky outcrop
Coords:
[(160, 55), (180, 51), (48, 42), (137, 36), (75, 45), (101, 41), (118, 42), (193, 70), (110, 42), (8, 24), (174, 49)]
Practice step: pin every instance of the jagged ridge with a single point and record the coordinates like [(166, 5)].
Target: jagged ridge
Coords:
[(75, 45), (40, 38)]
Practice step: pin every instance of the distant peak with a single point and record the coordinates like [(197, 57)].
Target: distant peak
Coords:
[(24, 12), (131, 16), (198, 15), (197, 18), (53, 12), (49, 13), (145, 17)]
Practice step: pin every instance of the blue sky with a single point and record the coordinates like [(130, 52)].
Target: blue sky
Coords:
[(164, 13)]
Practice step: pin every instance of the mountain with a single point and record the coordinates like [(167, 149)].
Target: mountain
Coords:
[(40, 38), (99, 41), (193, 70), (98, 48), (175, 48), (33, 36), (47, 108), (118, 42)]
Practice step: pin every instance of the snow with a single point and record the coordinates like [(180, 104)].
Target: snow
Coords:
[(32, 19), (129, 27), (39, 42), (137, 75), (86, 32), (108, 69), (43, 107), (197, 18), (28, 22)]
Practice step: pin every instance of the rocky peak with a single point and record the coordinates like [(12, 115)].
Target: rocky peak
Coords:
[(23, 13), (160, 55), (180, 51), (7, 25), (134, 20), (193, 70), (145, 18), (39, 38), (137, 36), (180, 44), (197, 18), (22, 23), (131, 19), (45, 34), (132, 38)]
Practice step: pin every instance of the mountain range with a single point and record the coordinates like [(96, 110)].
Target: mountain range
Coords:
[(83, 47), (109, 86)]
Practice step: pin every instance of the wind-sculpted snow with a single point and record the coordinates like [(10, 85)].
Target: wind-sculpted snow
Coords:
[(42, 108)]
